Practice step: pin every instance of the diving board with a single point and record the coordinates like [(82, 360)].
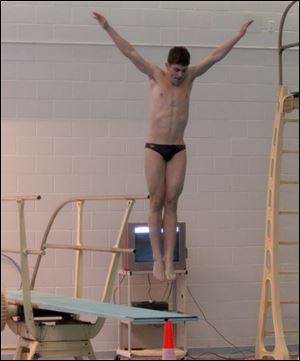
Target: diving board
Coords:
[(135, 315), (49, 326)]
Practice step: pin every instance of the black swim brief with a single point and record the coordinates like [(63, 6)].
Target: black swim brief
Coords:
[(167, 151)]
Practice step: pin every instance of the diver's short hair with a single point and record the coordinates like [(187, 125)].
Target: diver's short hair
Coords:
[(179, 55)]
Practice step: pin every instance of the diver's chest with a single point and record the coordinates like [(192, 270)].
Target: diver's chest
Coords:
[(174, 95)]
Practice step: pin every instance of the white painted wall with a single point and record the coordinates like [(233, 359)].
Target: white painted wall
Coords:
[(74, 121)]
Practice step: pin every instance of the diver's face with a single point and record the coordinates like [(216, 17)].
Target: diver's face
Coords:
[(177, 73)]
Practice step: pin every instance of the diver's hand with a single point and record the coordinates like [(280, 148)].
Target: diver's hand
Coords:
[(101, 20)]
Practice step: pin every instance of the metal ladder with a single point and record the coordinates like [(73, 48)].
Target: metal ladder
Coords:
[(272, 274)]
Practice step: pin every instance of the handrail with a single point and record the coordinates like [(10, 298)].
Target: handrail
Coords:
[(31, 328), (6, 259), (16, 198), (78, 200), (282, 47)]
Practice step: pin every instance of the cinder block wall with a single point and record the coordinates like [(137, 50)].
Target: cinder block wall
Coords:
[(74, 120)]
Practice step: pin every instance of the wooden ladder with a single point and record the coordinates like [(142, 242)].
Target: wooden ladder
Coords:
[(270, 297), (272, 274)]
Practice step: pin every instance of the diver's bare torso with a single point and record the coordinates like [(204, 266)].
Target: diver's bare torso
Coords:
[(169, 109)]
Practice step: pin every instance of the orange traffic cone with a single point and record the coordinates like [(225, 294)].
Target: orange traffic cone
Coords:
[(168, 352)]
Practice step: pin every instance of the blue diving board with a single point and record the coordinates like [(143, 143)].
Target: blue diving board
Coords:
[(45, 301)]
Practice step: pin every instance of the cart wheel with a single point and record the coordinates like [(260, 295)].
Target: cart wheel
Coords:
[(118, 357), (3, 310)]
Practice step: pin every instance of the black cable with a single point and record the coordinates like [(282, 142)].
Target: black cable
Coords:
[(168, 291), (211, 325), (116, 288), (217, 355), (149, 288), (12, 262)]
